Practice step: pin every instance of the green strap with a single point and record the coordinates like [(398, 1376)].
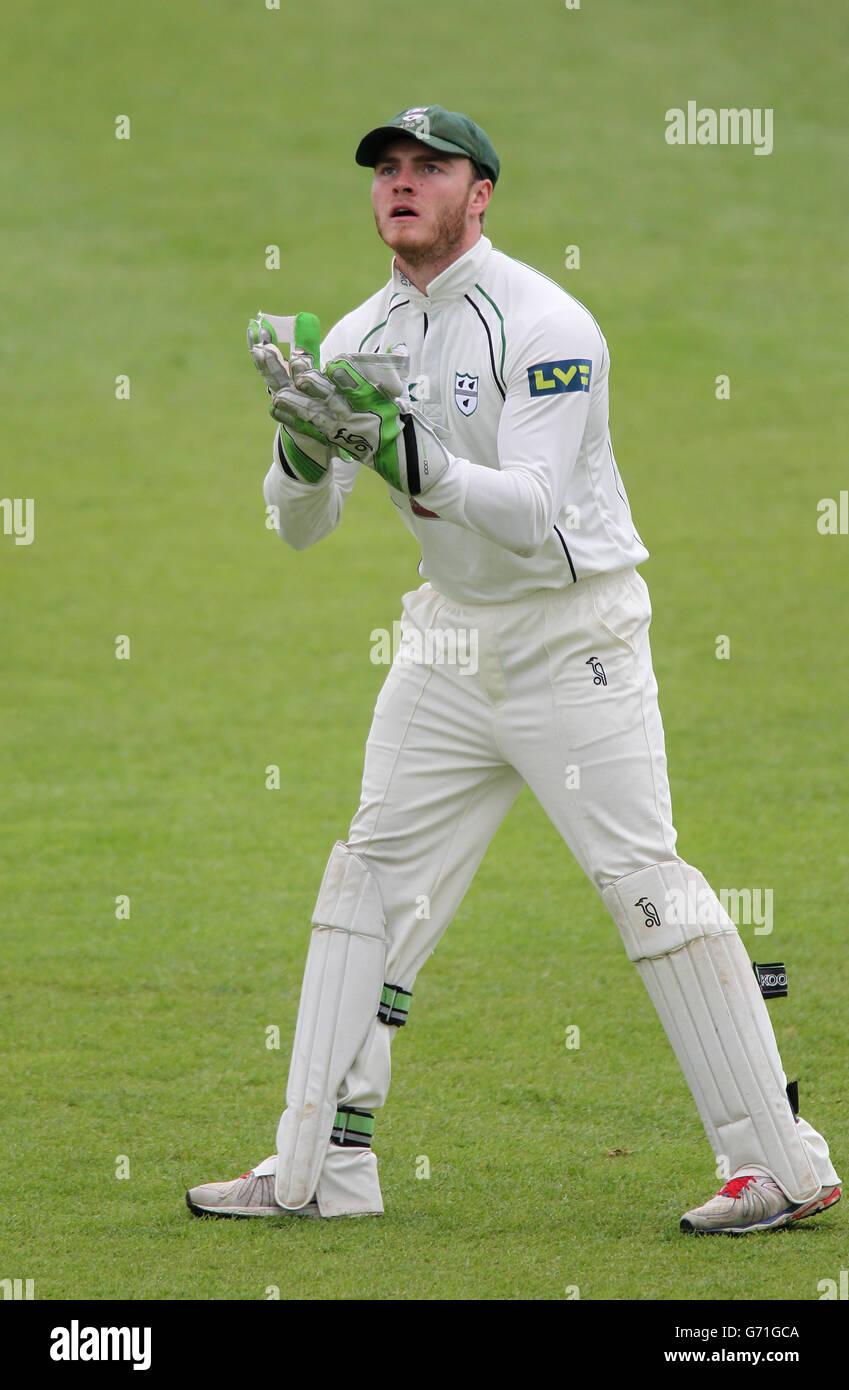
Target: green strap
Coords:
[(352, 1128), (394, 1005)]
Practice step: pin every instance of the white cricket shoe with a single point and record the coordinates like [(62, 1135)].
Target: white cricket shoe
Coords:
[(753, 1204), (250, 1195)]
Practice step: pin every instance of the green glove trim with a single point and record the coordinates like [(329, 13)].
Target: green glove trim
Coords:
[(308, 336), (308, 469), (298, 333), (367, 399)]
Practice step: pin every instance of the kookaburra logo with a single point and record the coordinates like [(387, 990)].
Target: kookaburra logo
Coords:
[(354, 443), (652, 914), (599, 678)]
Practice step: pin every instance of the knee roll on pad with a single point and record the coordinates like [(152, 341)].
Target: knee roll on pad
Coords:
[(340, 996), (697, 972)]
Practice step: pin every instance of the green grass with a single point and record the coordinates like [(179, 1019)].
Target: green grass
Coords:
[(146, 1037)]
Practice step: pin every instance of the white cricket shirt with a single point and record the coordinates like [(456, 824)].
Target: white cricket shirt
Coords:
[(513, 373)]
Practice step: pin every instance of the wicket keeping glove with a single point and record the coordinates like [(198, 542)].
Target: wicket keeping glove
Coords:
[(278, 345), (359, 404)]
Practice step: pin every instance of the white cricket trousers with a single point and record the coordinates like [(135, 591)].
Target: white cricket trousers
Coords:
[(555, 690)]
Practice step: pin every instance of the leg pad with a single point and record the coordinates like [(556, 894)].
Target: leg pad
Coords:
[(697, 972), (339, 1000)]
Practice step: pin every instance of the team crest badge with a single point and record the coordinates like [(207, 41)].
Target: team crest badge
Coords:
[(417, 122), (466, 392)]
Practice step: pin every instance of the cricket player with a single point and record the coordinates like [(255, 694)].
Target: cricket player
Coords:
[(478, 389)]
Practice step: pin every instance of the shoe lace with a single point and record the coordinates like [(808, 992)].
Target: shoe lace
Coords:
[(736, 1186)]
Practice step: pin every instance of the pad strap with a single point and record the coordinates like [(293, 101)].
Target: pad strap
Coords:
[(394, 1005), (352, 1128), (771, 978)]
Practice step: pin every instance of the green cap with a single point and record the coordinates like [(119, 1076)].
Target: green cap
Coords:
[(449, 131)]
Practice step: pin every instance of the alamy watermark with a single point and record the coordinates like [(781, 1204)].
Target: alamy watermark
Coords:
[(433, 646), (833, 519), (835, 1288), (704, 908), (83, 1343), (707, 125), (16, 1289), (18, 518)]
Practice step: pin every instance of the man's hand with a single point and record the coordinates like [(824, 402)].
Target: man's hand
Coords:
[(359, 404), (279, 346)]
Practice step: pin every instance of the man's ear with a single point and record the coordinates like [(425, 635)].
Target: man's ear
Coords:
[(480, 197)]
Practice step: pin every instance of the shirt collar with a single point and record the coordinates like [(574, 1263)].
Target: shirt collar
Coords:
[(459, 276)]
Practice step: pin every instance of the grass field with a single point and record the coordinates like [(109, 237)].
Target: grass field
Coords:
[(144, 1038)]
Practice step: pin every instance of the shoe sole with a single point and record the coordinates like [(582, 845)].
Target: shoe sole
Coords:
[(241, 1214), (782, 1218), (818, 1204)]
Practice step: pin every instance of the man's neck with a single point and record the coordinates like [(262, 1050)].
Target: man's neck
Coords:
[(424, 272)]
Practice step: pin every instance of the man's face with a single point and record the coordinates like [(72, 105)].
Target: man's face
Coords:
[(427, 204)]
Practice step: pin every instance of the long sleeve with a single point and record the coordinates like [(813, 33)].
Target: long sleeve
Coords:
[(307, 512)]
